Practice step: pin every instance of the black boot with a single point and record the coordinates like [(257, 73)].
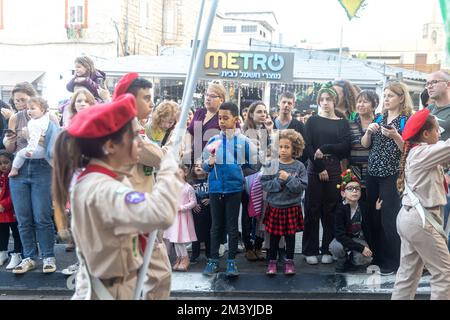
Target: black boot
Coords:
[(342, 265)]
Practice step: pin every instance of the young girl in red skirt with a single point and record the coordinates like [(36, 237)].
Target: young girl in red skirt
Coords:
[(284, 180)]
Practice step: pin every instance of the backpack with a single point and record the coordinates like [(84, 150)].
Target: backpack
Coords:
[(403, 119), (51, 134)]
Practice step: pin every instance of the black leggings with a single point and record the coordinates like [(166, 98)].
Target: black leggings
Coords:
[(4, 237), (290, 246)]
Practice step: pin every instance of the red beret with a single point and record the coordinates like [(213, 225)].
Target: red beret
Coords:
[(415, 123), (124, 83), (103, 120)]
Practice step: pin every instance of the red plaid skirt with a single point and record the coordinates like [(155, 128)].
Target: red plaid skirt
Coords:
[(286, 221)]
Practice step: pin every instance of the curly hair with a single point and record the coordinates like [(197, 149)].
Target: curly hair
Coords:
[(298, 144), (41, 102), (163, 110), (401, 90)]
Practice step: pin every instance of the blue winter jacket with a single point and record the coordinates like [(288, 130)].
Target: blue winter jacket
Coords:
[(232, 155)]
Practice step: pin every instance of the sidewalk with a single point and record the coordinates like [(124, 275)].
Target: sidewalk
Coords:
[(310, 282)]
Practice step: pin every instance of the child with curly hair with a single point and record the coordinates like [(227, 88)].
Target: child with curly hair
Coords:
[(284, 180)]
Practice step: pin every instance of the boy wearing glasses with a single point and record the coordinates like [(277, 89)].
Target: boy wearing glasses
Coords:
[(350, 247)]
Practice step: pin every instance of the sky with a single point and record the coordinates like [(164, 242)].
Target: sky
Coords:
[(382, 24)]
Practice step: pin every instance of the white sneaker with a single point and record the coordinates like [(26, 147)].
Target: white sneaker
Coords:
[(3, 257), (70, 270), (312, 260), (221, 250), (16, 258), (49, 265), (25, 265), (327, 259)]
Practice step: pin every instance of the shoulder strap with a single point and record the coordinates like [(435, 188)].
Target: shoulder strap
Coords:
[(424, 214), (402, 123), (379, 118)]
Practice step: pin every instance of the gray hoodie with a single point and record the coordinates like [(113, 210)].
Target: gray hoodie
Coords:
[(284, 194)]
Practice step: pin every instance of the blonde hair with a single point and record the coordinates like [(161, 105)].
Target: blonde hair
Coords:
[(163, 110), (298, 144), (401, 89), (89, 97), (218, 89)]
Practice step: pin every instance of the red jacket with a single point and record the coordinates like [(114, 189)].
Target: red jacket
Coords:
[(7, 215)]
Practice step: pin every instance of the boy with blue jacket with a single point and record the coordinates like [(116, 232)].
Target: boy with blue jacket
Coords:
[(225, 155)]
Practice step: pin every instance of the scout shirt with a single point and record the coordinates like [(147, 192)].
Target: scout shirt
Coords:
[(425, 177), (150, 158), (108, 214)]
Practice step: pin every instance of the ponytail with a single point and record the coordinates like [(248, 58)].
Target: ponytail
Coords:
[(67, 158), (401, 176)]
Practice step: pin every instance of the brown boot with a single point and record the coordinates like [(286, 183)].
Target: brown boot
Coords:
[(260, 255), (184, 264), (176, 265), (250, 255)]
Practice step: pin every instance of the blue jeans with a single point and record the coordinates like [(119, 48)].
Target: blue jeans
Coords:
[(31, 197)]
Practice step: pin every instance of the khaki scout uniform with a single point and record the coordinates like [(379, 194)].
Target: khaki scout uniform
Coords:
[(423, 245), (105, 226), (158, 279)]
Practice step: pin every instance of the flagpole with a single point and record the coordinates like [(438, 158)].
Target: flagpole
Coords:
[(194, 45), (180, 129), (340, 51)]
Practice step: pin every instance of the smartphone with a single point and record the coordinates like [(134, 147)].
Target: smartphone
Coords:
[(387, 126)]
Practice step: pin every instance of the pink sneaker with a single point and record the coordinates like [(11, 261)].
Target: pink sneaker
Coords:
[(289, 267), (272, 268)]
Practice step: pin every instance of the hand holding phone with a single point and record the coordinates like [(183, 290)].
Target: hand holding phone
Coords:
[(9, 132)]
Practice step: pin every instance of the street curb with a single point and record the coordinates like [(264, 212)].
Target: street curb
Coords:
[(247, 286)]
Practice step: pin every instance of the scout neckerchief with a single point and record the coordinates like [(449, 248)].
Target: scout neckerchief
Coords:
[(91, 168)]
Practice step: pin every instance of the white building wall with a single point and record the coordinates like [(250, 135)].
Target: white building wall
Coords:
[(38, 41)]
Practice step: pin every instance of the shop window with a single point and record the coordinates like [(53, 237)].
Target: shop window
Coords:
[(229, 29), (249, 28), (434, 37), (425, 31), (76, 13), (144, 13), (170, 22), (1, 14)]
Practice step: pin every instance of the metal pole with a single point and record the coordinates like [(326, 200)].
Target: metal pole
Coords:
[(340, 52), (191, 80), (194, 45)]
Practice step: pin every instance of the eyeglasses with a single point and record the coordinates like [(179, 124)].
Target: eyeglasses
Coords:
[(353, 189), (433, 82), (212, 96)]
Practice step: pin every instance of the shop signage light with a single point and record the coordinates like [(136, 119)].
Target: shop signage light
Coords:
[(249, 65)]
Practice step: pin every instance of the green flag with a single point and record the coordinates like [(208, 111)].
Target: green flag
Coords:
[(445, 9), (351, 7)]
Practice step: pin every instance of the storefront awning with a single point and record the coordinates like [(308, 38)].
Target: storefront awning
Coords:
[(8, 79)]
